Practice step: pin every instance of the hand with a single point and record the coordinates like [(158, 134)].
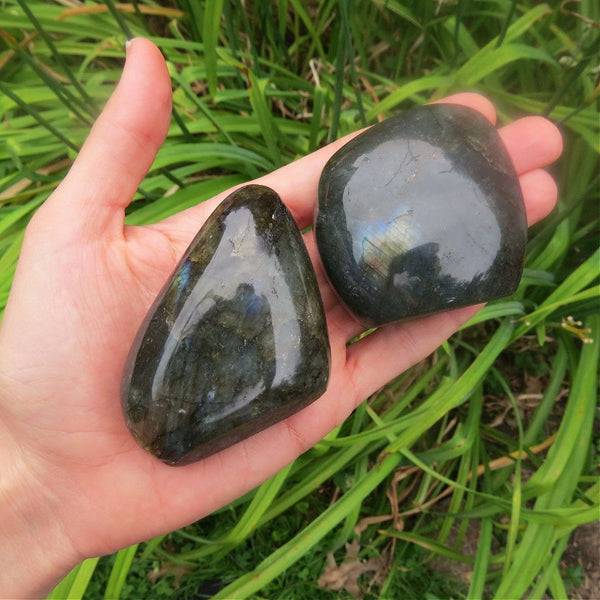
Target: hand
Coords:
[(74, 483)]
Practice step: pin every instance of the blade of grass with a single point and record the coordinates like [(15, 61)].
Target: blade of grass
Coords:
[(119, 572), (37, 116), (294, 549), (398, 9), (514, 522), (465, 470), (589, 55), (82, 579), (182, 199), (437, 406), (544, 408), (543, 581), (197, 101), (62, 92), (484, 549), (345, 7), (564, 293), (315, 124), (509, 16), (457, 22), (559, 479), (496, 310), (119, 19), (195, 14), (557, 587), (152, 545), (268, 129), (360, 470), (429, 82), (61, 591), (430, 545), (300, 10), (573, 422), (211, 26), (488, 60), (246, 524), (339, 73), (56, 54)]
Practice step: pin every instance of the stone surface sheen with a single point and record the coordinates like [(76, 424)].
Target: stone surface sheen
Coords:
[(421, 213), (236, 340)]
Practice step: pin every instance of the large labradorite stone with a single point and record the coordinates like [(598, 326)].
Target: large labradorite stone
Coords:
[(421, 213), (235, 342)]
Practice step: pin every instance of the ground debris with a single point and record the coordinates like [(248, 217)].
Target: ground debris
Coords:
[(345, 576), (170, 568), (582, 558)]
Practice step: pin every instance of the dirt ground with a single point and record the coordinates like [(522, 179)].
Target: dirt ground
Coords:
[(583, 551)]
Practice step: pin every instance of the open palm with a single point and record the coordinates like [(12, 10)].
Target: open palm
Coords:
[(82, 288)]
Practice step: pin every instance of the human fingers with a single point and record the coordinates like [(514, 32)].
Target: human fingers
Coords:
[(413, 340), (296, 183), (540, 194), (532, 142), (118, 151), (472, 100)]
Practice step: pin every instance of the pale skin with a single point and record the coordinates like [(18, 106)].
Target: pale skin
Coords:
[(73, 482)]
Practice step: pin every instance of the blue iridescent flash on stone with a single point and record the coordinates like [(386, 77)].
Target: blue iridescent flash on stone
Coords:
[(235, 342), (421, 213)]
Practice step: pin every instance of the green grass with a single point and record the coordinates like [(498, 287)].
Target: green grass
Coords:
[(485, 454)]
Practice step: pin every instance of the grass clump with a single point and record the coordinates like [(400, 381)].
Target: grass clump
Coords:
[(464, 477)]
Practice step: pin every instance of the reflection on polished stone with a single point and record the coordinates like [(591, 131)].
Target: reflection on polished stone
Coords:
[(235, 342), (421, 213)]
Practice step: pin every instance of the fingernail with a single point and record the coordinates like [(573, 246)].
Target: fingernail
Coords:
[(128, 44)]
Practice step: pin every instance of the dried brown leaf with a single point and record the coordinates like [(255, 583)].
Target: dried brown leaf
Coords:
[(345, 575), (169, 568)]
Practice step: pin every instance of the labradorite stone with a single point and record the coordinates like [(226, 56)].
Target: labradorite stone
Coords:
[(421, 213), (236, 340)]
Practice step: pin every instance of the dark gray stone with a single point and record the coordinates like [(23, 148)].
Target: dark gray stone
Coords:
[(235, 342), (421, 213)]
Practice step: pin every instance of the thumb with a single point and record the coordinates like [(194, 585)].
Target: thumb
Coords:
[(118, 151)]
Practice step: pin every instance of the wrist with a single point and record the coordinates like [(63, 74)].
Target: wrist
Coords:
[(36, 552)]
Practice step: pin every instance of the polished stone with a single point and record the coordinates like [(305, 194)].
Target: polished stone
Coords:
[(236, 340), (421, 213)]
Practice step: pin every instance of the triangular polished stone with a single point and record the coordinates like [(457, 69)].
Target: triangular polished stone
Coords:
[(236, 340), (421, 213)]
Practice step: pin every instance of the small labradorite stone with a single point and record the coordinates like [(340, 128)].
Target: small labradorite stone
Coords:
[(421, 213), (235, 342)]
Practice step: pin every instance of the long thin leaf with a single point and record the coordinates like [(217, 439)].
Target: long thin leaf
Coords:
[(210, 35), (119, 572)]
